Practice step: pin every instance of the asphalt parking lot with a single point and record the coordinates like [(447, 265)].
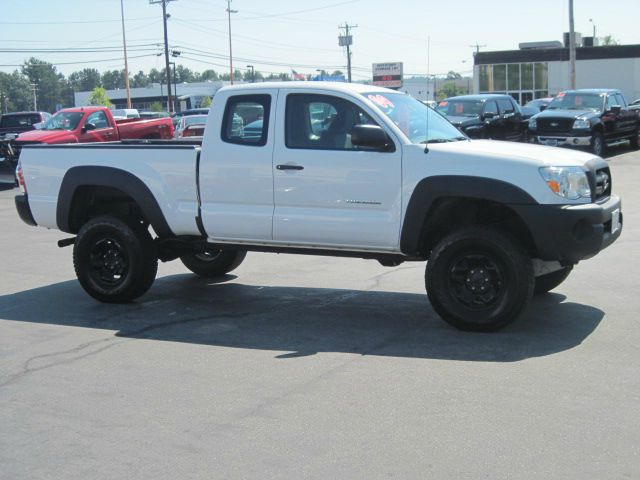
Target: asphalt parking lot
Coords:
[(311, 367)]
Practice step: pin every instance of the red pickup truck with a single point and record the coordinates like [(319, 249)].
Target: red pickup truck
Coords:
[(88, 125)]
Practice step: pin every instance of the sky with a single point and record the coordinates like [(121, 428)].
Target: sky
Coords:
[(278, 35)]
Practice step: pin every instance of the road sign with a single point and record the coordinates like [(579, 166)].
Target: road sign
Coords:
[(387, 74)]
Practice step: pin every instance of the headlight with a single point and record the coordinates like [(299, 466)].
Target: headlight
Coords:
[(533, 124), (581, 124), (567, 182)]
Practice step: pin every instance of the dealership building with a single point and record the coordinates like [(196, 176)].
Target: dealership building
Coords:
[(541, 69)]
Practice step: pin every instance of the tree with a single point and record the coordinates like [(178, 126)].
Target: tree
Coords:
[(208, 75), (449, 89), (47, 80), (15, 88), (112, 79), (140, 79), (99, 97), (609, 41), (183, 74), (451, 75), (157, 76), (156, 107), (205, 102), (85, 80)]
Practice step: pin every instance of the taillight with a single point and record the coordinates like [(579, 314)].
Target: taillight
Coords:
[(20, 177)]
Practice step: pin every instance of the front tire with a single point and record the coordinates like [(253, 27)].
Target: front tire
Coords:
[(597, 144), (478, 279), (213, 263), (546, 283), (115, 261), (635, 140)]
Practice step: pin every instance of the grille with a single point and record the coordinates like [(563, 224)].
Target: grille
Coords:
[(600, 183), (553, 126)]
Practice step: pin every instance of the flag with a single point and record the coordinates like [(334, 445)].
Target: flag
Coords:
[(297, 76)]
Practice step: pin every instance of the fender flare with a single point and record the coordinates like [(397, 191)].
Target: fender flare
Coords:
[(122, 180), (431, 189)]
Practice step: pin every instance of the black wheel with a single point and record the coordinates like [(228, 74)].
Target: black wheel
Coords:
[(546, 283), (478, 279), (635, 140), (213, 263), (597, 144), (115, 261)]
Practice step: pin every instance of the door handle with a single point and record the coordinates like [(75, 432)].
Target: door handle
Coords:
[(289, 167)]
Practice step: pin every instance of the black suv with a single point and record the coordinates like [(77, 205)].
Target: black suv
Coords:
[(592, 118), (485, 116)]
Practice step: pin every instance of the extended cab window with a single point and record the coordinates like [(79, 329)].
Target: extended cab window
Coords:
[(491, 107), (99, 119), (246, 120), (322, 122)]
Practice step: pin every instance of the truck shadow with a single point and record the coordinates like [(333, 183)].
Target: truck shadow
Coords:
[(295, 321)]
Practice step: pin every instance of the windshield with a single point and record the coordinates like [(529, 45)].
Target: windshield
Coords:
[(460, 108), (412, 117), (63, 121), (578, 101), (195, 119), (21, 120)]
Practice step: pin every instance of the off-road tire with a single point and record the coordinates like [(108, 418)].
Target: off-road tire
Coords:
[(546, 283), (115, 260), (213, 263), (490, 262)]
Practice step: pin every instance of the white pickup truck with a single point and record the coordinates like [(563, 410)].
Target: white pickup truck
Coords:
[(328, 169)]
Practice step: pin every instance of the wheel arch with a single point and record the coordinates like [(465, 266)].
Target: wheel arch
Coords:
[(85, 184), (441, 203)]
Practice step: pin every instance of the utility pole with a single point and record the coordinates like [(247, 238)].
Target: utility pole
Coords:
[(229, 12), (572, 49), (126, 64), (166, 48), (346, 40), (477, 47), (34, 88), (253, 73)]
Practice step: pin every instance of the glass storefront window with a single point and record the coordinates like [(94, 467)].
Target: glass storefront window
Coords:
[(541, 76), (527, 76), (513, 76), (485, 76), (500, 77)]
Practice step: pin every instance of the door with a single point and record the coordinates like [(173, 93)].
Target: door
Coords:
[(329, 193), (235, 175), (512, 127), (492, 125), (103, 131), (628, 118)]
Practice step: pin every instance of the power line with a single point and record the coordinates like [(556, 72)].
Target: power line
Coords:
[(72, 22)]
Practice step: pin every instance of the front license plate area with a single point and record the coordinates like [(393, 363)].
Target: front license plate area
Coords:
[(615, 220), (551, 142)]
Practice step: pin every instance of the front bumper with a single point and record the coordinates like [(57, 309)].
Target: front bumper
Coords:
[(570, 233), (562, 141), (24, 211)]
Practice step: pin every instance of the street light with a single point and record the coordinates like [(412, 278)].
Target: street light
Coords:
[(229, 12), (594, 31), (321, 71), (253, 72)]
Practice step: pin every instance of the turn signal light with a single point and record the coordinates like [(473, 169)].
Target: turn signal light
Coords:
[(554, 186)]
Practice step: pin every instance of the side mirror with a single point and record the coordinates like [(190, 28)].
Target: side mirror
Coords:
[(488, 115), (543, 107), (88, 126), (371, 136), (616, 109)]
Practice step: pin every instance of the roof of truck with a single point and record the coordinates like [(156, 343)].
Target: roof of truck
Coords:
[(335, 86)]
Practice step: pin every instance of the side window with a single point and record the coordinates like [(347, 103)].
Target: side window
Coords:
[(99, 119), (621, 100), (491, 107), (246, 120), (506, 106), (322, 122), (611, 101)]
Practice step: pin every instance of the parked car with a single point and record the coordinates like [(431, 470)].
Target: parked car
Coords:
[(185, 113), (18, 122), (534, 107), (190, 126), (87, 125), (147, 115), (488, 216), (489, 115), (590, 118), (122, 113)]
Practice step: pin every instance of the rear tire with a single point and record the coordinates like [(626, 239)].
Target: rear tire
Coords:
[(213, 263), (635, 140), (478, 279), (115, 261), (546, 283)]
